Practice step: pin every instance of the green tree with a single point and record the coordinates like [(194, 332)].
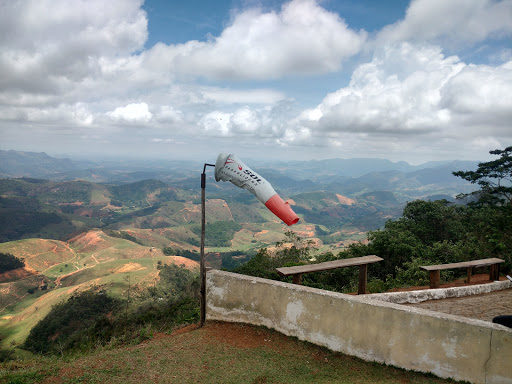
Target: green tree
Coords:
[(492, 212), (494, 178), (292, 251)]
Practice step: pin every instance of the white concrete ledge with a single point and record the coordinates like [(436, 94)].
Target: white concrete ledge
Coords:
[(412, 297), (412, 338)]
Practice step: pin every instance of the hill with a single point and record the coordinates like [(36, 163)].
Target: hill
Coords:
[(32, 164), (54, 270)]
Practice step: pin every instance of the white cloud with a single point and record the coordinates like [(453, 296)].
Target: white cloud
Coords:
[(466, 21), (398, 91), (480, 90), (135, 112), (416, 95), (50, 45), (267, 123), (167, 114), (163, 141), (242, 96), (303, 38), (243, 121), (217, 123)]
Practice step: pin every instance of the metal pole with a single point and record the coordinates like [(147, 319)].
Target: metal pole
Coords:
[(202, 318)]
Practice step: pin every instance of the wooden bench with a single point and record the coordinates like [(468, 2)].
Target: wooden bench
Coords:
[(435, 270), (362, 262)]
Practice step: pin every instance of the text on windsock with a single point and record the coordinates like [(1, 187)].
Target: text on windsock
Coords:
[(228, 167)]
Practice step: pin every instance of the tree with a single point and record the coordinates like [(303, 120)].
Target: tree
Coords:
[(8, 262), (494, 178), (492, 213)]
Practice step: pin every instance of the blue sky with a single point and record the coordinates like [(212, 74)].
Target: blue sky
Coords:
[(412, 80)]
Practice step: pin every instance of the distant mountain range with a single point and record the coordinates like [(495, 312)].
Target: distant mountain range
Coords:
[(58, 196), (352, 177), (40, 165)]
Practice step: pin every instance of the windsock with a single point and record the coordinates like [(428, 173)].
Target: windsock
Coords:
[(231, 168)]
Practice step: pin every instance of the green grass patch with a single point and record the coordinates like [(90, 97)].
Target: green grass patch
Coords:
[(217, 353)]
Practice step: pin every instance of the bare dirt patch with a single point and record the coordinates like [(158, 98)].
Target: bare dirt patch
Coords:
[(246, 336), (345, 200), (305, 231), (129, 267), (88, 241), (183, 261), (262, 232)]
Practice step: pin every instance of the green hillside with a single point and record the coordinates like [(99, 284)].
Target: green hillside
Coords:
[(54, 270)]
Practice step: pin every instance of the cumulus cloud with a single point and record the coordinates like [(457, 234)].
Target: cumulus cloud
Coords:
[(268, 122), (168, 114), (242, 96), (480, 90), (135, 112), (409, 90), (466, 21), (303, 38), (48, 45)]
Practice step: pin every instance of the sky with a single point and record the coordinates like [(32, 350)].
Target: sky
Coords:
[(414, 81)]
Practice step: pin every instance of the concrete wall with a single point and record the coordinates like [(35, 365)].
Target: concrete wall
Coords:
[(406, 337)]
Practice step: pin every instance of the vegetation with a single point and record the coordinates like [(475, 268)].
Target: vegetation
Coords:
[(264, 263), (16, 224), (192, 255), (231, 260), (92, 318), (218, 233), (122, 235), (439, 232), (8, 262), (74, 324), (429, 232), (494, 178), (135, 194)]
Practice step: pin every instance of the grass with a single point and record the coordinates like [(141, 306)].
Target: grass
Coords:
[(217, 353)]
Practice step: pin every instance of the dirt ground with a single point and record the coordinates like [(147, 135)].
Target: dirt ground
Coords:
[(483, 307)]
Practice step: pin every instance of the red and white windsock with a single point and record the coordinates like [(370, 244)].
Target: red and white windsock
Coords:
[(231, 168)]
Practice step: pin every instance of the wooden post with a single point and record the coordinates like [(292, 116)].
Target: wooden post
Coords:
[(297, 278), (494, 272), (363, 269), (468, 278), (435, 278)]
